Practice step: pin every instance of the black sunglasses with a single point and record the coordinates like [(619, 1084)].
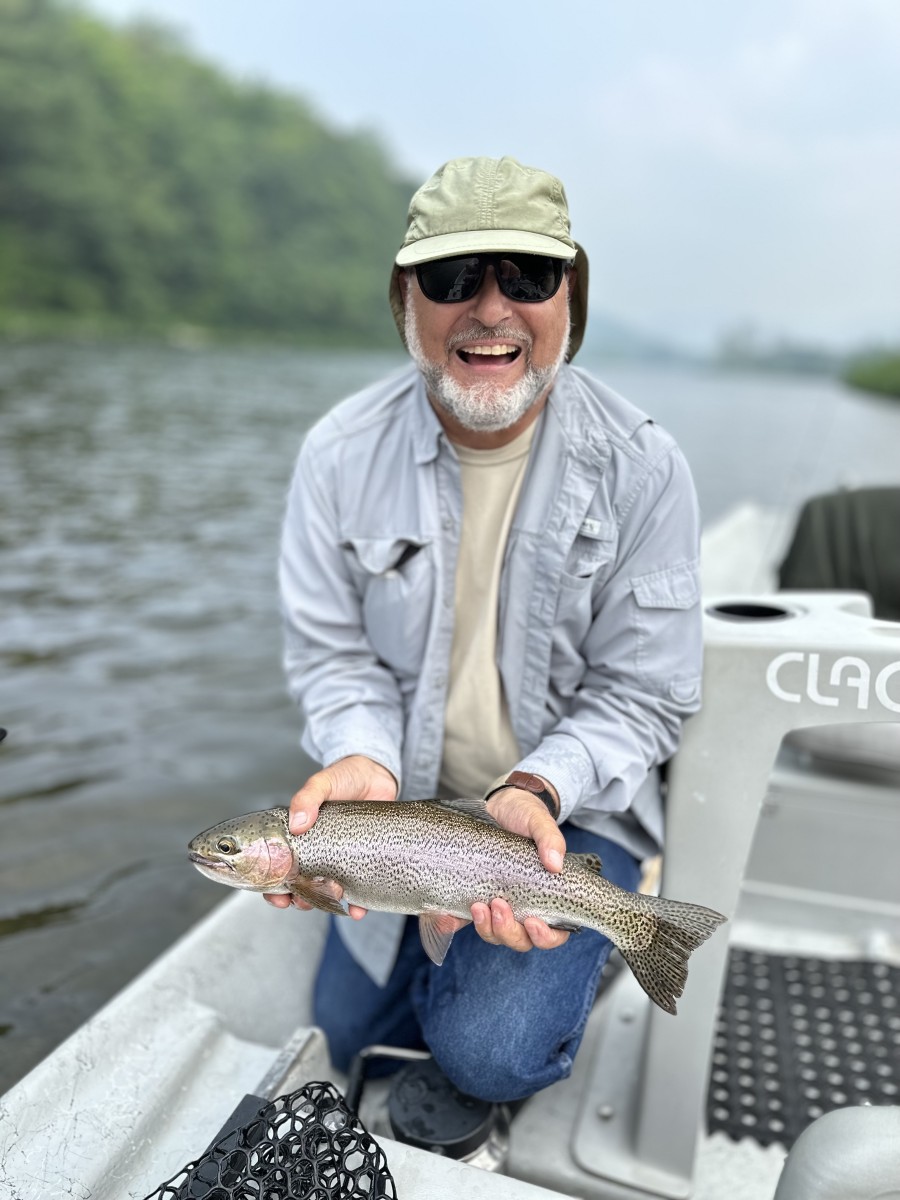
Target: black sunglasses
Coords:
[(525, 278)]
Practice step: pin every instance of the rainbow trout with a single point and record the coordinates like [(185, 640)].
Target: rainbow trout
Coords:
[(432, 858)]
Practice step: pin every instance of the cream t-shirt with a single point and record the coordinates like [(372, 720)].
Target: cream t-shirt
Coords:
[(479, 743)]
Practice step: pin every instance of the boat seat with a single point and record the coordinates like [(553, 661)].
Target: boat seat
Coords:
[(848, 1154), (848, 541), (854, 749)]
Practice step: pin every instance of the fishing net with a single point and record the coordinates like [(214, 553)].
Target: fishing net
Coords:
[(303, 1146)]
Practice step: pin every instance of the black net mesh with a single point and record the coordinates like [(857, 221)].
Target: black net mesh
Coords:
[(304, 1146)]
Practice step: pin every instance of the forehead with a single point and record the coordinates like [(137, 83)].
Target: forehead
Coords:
[(250, 825)]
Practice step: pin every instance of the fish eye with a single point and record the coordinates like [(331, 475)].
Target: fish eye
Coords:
[(226, 845)]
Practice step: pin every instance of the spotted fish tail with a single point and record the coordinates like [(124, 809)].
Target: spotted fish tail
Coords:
[(675, 929)]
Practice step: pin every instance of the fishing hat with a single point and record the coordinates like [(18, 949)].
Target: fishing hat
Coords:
[(472, 205)]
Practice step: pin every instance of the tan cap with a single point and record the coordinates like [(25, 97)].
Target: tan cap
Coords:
[(489, 204)]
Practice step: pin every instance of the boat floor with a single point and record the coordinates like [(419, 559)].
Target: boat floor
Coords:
[(144, 1087)]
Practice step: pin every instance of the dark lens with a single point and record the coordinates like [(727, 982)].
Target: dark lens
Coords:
[(529, 278), (449, 279)]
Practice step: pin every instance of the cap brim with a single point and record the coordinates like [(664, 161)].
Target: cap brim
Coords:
[(473, 241)]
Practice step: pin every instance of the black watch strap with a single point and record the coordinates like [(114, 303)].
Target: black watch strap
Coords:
[(529, 783)]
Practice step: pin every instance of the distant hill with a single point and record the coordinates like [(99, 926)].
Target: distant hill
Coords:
[(141, 188)]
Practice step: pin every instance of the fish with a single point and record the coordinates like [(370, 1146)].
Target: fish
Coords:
[(436, 858)]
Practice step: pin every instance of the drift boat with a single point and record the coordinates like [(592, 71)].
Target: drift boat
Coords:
[(783, 814)]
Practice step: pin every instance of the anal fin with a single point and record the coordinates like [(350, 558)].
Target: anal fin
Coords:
[(436, 931)]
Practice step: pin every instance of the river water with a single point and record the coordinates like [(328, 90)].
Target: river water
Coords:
[(141, 491)]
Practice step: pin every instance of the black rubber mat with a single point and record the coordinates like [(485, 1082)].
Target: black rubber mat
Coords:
[(798, 1037)]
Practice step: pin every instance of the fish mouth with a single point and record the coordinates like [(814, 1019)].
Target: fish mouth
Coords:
[(212, 864)]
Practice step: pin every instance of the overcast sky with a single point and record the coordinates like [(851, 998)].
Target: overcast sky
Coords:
[(725, 161)]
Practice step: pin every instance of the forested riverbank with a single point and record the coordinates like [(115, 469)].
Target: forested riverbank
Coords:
[(144, 191), (875, 372)]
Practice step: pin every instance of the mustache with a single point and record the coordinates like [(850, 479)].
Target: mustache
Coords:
[(500, 332)]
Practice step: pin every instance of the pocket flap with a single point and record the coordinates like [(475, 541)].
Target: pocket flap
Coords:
[(377, 556), (675, 587)]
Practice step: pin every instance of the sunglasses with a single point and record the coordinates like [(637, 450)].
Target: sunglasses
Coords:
[(525, 278)]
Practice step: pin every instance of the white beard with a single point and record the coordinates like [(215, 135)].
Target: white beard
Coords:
[(483, 407)]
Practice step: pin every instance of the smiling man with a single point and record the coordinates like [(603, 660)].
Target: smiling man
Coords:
[(489, 586)]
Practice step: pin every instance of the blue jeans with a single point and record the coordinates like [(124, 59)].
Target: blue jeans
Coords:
[(500, 1024)]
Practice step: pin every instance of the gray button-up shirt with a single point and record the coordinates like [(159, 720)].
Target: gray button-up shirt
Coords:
[(599, 624)]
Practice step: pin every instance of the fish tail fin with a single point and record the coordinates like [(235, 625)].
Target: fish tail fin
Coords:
[(670, 930)]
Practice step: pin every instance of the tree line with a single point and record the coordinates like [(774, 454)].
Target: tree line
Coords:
[(143, 189)]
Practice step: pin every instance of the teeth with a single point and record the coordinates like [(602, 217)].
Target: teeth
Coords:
[(499, 349)]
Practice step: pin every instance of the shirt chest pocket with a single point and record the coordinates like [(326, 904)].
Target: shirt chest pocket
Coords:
[(592, 553), (394, 577)]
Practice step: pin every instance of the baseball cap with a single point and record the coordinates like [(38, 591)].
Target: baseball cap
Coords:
[(472, 205)]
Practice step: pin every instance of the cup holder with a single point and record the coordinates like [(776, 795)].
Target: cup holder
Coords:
[(749, 610)]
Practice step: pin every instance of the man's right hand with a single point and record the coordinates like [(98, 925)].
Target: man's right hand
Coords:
[(353, 778)]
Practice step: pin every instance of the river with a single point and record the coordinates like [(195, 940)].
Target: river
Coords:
[(141, 491)]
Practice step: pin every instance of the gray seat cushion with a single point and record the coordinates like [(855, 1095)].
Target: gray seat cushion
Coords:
[(865, 747)]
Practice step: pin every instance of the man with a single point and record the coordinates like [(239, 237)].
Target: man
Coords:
[(489, 585)]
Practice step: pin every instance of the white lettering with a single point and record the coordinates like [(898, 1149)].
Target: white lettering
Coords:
[(859, 680), (881, 687), (847, 672), (772, 670), (812, 684)]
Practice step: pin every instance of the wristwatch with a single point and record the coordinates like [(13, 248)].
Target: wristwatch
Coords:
[(529, 783)]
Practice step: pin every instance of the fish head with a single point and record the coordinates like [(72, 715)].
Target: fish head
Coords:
[(252, 852)]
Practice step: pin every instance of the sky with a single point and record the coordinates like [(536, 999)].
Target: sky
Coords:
[(729, 165)]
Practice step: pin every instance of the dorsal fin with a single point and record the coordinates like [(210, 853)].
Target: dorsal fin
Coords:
[(476, 809), (590, 860)]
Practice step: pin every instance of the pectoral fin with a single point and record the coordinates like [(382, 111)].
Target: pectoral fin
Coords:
[(320, 893), (436, 931)]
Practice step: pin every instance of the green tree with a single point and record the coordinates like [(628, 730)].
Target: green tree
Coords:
[(142, 187)]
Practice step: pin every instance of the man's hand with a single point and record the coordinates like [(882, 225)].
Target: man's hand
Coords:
[(353, 778), (521, 812)]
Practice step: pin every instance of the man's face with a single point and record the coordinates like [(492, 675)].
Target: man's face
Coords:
[(487, 360)]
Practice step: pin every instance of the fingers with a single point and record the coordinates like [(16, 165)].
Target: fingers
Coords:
[(496, 924), (282, 900), (285, 901)]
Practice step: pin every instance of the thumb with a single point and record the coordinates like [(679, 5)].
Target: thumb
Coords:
[(551, 845), (306, 803)]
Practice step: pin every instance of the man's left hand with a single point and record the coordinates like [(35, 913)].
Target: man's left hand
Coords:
[(522, 812)]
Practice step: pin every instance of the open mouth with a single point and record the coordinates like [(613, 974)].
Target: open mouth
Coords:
[(215, 864), (495, 354)]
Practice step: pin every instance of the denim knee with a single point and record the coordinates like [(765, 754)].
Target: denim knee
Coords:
[(496, 1064)]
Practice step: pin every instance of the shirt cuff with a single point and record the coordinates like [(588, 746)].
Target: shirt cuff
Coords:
[(564, 762), (362, 742)]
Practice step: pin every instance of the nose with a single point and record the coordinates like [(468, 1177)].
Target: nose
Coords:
[(489, 305)]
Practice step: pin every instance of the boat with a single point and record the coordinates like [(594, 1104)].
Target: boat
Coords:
[(791, 834)]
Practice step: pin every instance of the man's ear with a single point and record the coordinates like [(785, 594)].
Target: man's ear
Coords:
[(403, 284), (571, 279)]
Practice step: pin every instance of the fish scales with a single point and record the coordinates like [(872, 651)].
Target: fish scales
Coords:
[(430, 858)]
